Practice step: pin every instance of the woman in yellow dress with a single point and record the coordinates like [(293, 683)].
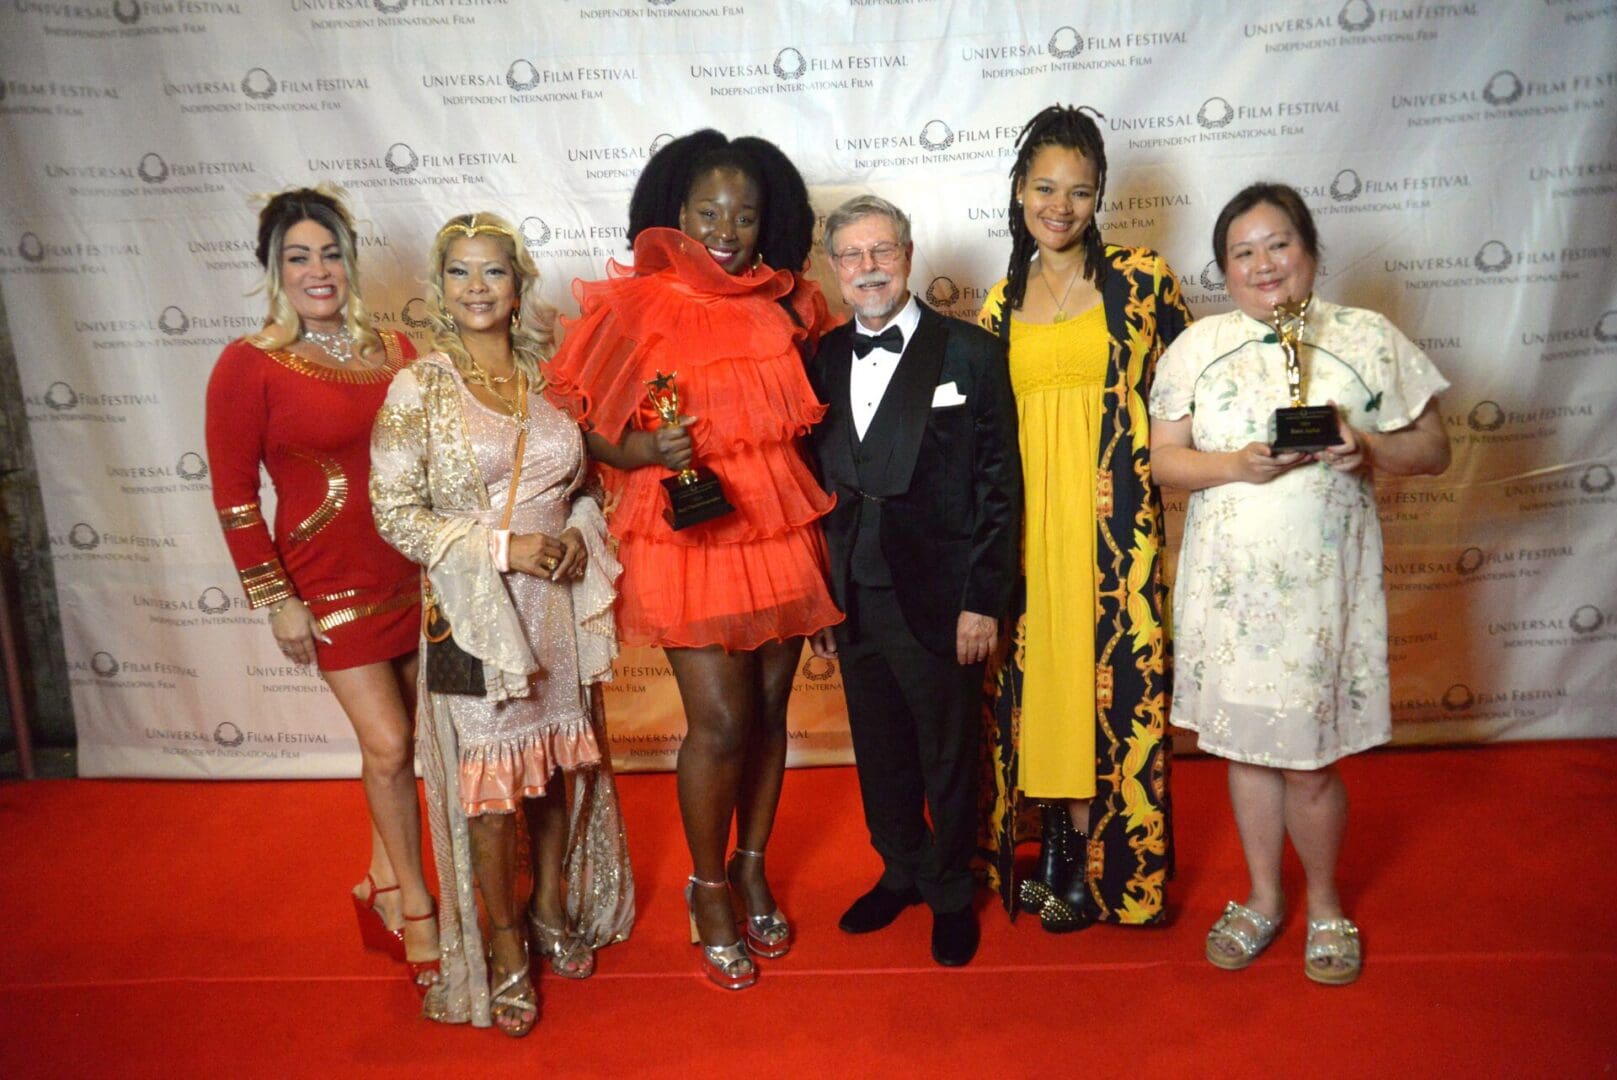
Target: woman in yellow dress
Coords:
[(1079, 710)]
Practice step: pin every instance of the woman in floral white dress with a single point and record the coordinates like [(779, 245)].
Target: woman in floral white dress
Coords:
[(1280, 621)]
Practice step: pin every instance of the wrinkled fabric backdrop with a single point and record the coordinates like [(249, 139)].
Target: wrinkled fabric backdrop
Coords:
[(1460, 158)]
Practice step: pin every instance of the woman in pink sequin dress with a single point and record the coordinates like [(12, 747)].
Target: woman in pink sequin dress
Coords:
[(483, 483)]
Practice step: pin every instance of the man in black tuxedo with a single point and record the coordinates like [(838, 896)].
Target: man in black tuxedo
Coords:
[(919, 447)]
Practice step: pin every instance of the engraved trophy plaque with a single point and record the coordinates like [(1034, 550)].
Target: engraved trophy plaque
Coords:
[(694, 495), (1298, 428)]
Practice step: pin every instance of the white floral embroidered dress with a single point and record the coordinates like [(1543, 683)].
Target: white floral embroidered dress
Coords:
[(1279, 618)]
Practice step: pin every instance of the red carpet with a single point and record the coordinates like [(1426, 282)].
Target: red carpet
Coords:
[(191, 929)]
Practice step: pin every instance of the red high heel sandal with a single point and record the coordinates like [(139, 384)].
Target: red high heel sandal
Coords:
[(373, 931), (424, 974)]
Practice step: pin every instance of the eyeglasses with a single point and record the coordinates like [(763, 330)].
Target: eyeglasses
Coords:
[(883, 255)]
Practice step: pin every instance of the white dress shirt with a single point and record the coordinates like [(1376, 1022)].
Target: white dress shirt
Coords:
[(868, 376)]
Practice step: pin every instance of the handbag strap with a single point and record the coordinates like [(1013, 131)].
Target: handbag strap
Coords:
[(428, 597), (522, 443)]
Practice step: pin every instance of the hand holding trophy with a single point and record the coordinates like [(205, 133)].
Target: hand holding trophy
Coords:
[(694, 495), (1299, 428)]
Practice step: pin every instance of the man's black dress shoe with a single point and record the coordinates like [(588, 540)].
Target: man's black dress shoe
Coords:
[(954, 936), (877, 908)]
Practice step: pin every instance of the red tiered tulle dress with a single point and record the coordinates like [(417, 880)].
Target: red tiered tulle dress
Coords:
[(746, 578)]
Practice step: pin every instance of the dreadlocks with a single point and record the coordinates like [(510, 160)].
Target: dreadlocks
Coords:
[(1074, 129)]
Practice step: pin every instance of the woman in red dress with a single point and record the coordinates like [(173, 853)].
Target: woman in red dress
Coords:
[(298, 398), (720, 230)]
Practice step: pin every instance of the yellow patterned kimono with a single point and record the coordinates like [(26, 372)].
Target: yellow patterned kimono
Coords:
[(1130, 833)]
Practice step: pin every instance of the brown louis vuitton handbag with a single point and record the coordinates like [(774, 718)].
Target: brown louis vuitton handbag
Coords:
[(450, 668)]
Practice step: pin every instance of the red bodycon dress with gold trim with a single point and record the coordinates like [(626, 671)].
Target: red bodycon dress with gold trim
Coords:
[(310, 428), (753, 576)]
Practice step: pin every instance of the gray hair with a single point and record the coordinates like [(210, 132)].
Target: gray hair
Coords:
[(863, 206)]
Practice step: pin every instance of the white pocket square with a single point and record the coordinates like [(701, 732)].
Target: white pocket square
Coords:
[(945, 395)]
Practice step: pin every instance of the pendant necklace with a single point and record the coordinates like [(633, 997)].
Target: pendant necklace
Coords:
[(337, 344), (1061, 304), (515, 405)]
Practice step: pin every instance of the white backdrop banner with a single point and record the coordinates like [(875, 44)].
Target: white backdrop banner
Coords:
[(1461, 159)]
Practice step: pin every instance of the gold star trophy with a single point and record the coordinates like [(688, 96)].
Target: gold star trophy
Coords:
[(694, 495), (1299, 428)]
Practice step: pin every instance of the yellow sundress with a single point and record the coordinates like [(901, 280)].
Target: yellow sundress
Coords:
[(1058, 371)]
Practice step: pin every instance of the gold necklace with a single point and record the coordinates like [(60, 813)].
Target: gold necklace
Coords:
[(1061, 304), (483, 376), (518, 404)]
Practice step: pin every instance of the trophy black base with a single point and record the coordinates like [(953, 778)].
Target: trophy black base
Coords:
[(1303, 429), (691, 503)]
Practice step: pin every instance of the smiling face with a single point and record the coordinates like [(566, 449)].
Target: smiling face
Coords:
[(723, 213), (480, 285), (313, 275), (1058, 196), (873, 268), (1266, 262)]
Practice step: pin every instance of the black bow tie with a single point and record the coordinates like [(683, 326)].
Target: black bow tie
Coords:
[(891, 339)]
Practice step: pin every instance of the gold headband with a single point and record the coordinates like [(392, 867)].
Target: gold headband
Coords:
[(468, 230)]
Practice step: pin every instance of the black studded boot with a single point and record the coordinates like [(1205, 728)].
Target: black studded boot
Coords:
[(1034, 892), (1069, 907)]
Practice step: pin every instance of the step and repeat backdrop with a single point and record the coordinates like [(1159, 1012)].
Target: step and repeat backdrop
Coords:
[(1461, 159)]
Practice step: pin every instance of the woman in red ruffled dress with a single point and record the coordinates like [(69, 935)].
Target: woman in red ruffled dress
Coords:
[(720, 230), (298, 398)]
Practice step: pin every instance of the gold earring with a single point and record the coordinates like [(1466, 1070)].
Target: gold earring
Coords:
[(516, 318)]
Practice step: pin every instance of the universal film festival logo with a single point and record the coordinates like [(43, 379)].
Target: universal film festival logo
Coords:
[(60, 397), (213, 601), (1211, 277), (1597, 479), (1493, 258), (943, 292), (415, 314), (173, 321), (936, 136), (1066, 43), (1356, 16), (1503, 88), (105, 665), (125, 11), (31, 248), (817, 668), (536, 233), (152, 168), (1486, 416), (191, 466), (1606, 328), (1346, 186), (522, 76), (789, 64), (1215, 113), (259, 85), (228, 735), (1587, 619), (84, 537), (401, 159)]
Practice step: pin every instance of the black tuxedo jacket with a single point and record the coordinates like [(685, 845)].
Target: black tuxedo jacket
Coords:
[(949, 478)]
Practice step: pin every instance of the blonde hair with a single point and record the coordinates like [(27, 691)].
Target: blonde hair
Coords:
[(533, 332), (323, 205)]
